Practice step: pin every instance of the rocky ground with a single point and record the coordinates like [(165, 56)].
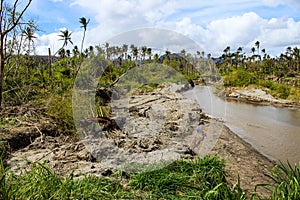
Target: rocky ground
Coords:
[(160, 125)]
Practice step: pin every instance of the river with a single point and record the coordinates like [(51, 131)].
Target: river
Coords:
[(273, 131)]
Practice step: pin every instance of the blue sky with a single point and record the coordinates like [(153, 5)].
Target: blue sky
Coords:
[(213, 24)]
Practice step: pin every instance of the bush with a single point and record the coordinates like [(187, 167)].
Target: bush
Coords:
[(277, 89), (240, 78), (59, 107)]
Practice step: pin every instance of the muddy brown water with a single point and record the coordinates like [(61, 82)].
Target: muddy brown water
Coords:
[(273, 131)]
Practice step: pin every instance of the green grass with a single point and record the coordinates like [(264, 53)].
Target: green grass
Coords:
[(40, 182), (196, 178), (286, 182), (183, 179)]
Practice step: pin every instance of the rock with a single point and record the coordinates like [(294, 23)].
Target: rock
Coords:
[(155, 127)]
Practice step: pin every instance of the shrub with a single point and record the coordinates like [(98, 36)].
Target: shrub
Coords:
[(240, 78)]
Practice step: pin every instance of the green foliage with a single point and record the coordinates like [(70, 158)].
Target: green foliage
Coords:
[(201, 178), (40, 182), (240, 78), (286, 180), (294, 94), (277, 89), (183, 179), (150, 74), (59, 107)]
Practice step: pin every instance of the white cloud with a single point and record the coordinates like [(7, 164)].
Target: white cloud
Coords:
[(217, 29), (275, 3)]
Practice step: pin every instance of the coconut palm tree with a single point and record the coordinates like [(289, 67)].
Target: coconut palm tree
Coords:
[(28, 33), (75, 51), (149, 53), (144, 51), (84, 22), (66, 37), (124, 50), (257, 44), (253, 51), (264, 53)]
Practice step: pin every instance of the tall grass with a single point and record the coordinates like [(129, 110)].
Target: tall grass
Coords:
[(40, 182), (286, 179), (194, 179), (183, 179)]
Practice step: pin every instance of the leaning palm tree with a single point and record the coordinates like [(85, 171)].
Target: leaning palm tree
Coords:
[(66, 37), (84, 22)]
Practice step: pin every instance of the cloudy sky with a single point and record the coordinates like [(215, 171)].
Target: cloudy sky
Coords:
[(212, 24)]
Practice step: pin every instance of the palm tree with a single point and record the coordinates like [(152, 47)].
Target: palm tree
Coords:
[(144, 50), (107, 50), (149, 53), (66, 37), (264, 52), (84, 24), (253, 50), (75, 51), (257, 46), (29, 35), (135, 52), (124, 50)]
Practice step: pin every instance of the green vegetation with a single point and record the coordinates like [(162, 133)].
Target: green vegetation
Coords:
[(45, 83), (280, 76), (239, 78), (286, 182), (184, 179), (203, 178)]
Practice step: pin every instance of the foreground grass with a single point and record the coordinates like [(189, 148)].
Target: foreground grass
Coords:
[(183, 179), (286, 182)]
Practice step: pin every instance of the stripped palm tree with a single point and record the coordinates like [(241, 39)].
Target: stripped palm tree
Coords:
[(66, 37), (84, 22)]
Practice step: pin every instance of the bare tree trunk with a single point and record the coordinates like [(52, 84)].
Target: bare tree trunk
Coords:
[(49, 62), (4, 30), (1, 68)]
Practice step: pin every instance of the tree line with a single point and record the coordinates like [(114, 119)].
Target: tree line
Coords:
[(17, 50)]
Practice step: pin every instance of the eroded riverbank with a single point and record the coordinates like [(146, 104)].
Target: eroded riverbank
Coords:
[(258, 97), (160, 121)]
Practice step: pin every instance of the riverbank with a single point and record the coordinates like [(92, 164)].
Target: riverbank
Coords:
[(160, 121), (257, 96)]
